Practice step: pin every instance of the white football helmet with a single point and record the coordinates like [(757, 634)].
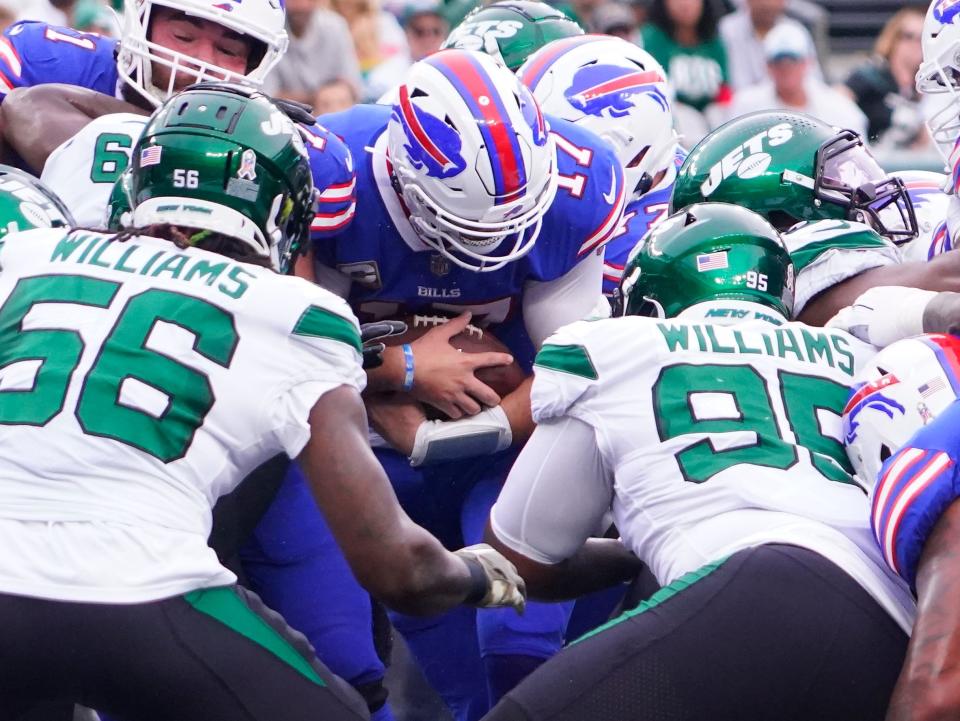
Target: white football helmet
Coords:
[(615, 89), (261, 20), (903, 388), (473, 159), (939, 72)]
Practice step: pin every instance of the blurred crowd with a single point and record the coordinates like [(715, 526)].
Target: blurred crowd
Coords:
[(724, 58)]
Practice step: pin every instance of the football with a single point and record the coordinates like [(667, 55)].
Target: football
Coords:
[(502, 379)]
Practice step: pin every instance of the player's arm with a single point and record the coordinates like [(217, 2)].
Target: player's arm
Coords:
[(37, 120), (555, 498), (391, 556), (940, 274), (929, 685)]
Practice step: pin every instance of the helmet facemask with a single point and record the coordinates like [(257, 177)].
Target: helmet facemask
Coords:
[(137, 54), (846, 174)]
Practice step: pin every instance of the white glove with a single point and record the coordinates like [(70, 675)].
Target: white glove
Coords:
[(885, 314), (505, 587), (485, 433)]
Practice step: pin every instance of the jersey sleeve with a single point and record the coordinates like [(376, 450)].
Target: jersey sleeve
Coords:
[(914, 488), (34, 53), (564, 370), (827, 252), (83, 170), (335, 180), (324, 353), (589, 203)]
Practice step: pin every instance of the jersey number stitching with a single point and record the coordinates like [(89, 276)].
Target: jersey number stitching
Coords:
[(123, 356)]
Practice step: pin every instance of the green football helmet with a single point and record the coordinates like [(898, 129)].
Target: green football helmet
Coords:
[(512, 30), (26, 203), (790, 167), (708, 251), (224, 159)]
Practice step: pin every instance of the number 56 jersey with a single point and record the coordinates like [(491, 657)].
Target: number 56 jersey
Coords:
[(138, 382), (720, 437)]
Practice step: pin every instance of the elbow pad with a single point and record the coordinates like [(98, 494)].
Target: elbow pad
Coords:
[(479, 435)]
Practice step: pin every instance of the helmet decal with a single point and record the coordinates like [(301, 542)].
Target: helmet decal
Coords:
[(946, 353), (749, 160), (597, 88), (946, 10), (865, 396), (431, 143), (484, 103)]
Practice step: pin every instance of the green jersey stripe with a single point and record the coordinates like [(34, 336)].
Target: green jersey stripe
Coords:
[(572, 359), (321, 323)]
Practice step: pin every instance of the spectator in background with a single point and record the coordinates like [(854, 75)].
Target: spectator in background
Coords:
[(581, 12), (90, 15), (426, 29), (617, 19), (8, 14), (381, 45), (792, 86), (320, 52), (884, 86), (682, 36), (334, 96), (743, 33)]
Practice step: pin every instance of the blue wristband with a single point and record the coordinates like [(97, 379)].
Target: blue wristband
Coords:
[(408, 367)]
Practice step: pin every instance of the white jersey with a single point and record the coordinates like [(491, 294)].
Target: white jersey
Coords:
[(828, 252), (82, 170), (139, 382), (716, 438)]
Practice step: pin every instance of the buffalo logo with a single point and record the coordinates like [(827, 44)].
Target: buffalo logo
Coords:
[(533, 116), (431, 143), (874, 401), (227, 6), (945, 11), (596, 88)]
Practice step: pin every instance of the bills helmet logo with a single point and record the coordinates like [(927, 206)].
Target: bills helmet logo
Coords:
[(945, 11), (596, 88), (227, 6), (868, 395), (533, 116), (431, 143)]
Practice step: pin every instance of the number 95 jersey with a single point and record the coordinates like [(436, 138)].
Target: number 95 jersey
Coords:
[(720, 437), (139, 382)]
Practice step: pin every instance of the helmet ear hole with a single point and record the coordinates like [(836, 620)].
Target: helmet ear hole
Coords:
[(885, 452)]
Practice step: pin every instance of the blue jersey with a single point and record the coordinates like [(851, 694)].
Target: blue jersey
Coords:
[(395, 274), (34, 53), (335, 179), (639, 218), (915, 487)]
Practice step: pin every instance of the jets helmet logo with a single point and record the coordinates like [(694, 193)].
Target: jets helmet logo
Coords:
[(596, 88)]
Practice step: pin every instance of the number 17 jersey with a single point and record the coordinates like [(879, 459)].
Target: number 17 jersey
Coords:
[(139, 382), (720, 437)]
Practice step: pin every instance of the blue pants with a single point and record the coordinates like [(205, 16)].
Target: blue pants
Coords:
[(293, 563), (453, 501)]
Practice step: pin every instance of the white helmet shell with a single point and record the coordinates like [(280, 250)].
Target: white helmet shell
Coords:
[(263, 21), (903, 388), (473, 159), (939, 73), (614, 89)]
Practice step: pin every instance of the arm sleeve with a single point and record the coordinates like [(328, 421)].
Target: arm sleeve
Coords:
[(324, 353), (556, 494), (571, 297), (915, 486)]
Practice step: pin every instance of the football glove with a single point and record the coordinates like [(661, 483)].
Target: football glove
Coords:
[(505, 587), (371, 335)]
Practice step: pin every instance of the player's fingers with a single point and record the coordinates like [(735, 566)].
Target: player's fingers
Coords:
[(485, 360), (455, 325), (469, 406), (483, 393)]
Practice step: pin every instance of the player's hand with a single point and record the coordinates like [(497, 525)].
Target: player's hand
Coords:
[(885, 314), (443, 376), (505, 586), (371, 335), (396, 417)]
